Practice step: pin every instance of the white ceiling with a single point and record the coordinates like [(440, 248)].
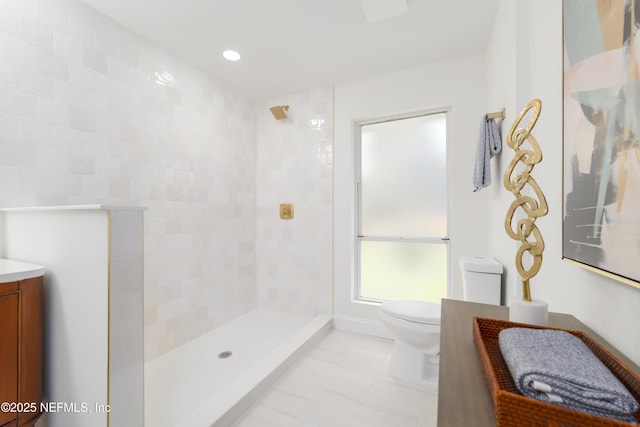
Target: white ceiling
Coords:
[(290, 46)]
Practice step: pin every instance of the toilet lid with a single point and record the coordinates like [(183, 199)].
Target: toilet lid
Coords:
[(413, 311)]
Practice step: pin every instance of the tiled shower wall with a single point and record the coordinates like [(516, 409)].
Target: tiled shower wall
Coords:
[(91, 113), (295, 164)]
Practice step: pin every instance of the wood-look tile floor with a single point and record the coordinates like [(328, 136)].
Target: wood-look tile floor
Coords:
[(343, 381)]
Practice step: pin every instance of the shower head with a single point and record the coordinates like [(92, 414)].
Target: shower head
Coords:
[(279, 111)]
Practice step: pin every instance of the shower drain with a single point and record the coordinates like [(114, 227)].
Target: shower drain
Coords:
[(225, 355)]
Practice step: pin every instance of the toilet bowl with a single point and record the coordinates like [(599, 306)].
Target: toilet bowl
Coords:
[(416, 328), (415, 325)]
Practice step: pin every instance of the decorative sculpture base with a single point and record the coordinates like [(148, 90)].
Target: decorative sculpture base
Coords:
[(534, 312)]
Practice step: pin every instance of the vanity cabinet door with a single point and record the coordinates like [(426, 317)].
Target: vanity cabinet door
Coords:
[(9, 302), (31, 346), (21, 351)]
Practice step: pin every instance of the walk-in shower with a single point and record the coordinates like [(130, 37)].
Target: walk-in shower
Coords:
[(214, 378)]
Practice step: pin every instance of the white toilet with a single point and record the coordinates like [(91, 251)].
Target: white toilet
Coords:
[(415, 325)]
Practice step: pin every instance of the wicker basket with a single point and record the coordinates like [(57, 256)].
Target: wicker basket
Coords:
[(514, 409)]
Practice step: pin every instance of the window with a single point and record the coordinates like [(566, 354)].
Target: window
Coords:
[(402, 230)]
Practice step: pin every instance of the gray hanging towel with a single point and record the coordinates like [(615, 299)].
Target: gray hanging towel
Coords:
[(489, 144)]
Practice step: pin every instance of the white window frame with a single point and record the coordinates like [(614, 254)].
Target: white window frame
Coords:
[(358, 238)]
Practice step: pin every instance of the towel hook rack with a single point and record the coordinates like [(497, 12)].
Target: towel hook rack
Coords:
[(496, 115)]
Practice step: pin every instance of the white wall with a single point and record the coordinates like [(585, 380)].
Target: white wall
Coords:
[(503, 55), (294, 165), (93, 316), (82, 120), (459, 84), (607, 306)]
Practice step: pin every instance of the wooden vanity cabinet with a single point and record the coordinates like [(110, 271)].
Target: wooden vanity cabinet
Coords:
[(21, 351)]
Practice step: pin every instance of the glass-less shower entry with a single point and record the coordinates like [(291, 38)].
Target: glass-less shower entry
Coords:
[(402, 209)]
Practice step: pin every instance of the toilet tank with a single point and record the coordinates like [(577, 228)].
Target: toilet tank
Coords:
[(481, 279)]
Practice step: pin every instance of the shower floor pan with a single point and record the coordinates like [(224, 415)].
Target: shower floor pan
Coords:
[(214, 378)]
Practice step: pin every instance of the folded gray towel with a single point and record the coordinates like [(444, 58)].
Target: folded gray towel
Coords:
[(489, 144), (557, 367)]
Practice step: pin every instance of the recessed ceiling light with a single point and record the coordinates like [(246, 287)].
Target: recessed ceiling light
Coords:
[(231, 55)]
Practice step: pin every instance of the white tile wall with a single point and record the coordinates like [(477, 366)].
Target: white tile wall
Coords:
[(295, 164), (126, 357), (82, 120)]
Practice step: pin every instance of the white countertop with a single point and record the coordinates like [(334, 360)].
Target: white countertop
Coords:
[(11, 271)]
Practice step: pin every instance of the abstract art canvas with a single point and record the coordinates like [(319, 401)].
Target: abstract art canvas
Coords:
[(601, 150)]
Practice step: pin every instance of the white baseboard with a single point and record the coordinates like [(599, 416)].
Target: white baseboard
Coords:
[(361, 326)]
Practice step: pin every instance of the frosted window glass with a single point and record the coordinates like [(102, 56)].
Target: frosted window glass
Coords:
[(403, 177), (403, 270)]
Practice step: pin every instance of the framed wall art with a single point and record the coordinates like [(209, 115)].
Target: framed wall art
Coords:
[(601, 149)]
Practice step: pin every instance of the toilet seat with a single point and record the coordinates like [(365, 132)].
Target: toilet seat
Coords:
[(413, 311)]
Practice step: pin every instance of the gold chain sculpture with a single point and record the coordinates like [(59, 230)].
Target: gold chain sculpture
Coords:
[(532, 204)]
